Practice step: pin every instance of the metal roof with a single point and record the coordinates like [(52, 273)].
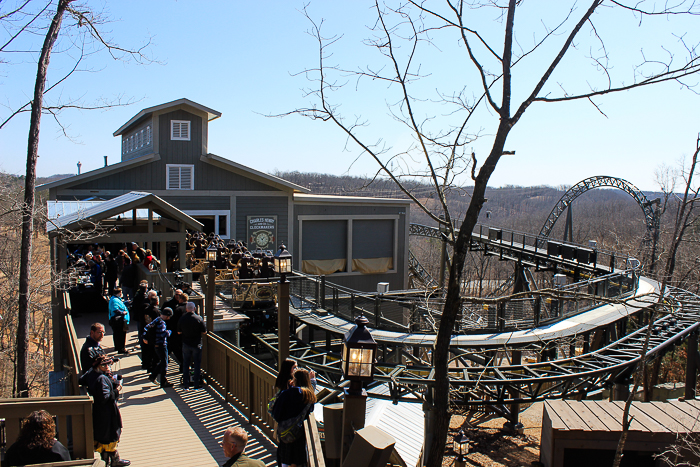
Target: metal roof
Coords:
[(120, 204), (211, 113), (56, 209)]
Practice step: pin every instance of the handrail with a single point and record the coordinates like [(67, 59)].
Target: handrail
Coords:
[(390, 312), (313, 442), (242, 380), (74, 367), (78, 408)]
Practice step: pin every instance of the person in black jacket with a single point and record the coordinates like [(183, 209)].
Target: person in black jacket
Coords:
[(175, 342), (127, 281), (138, 305), (111, 273), (92, 348), (37, 443), (104, 388), (290, 404)]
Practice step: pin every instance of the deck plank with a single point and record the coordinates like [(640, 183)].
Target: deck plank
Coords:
[(172, 426)]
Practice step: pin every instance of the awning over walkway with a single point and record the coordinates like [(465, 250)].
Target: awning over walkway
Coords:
[(73, 215)]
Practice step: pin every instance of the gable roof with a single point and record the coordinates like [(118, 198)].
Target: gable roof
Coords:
[(211, 113), (246, 171), (118, 205), (101, 172)]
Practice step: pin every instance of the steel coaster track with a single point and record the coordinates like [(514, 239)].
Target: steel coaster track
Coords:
[(531, 250), (493, 385)]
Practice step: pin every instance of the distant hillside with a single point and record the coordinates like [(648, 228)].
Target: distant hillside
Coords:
[(52, 178)]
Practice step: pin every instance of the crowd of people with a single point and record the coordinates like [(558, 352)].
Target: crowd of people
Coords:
[(172, 328), (106, 268), (161, 331), (232, 255)]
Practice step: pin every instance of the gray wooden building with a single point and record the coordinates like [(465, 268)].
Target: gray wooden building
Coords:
[(355, 241)]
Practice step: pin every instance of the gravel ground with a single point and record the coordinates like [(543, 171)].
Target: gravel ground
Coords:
[(490, 446)]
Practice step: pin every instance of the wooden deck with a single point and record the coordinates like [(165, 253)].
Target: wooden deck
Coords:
[(172, 427), (596, 425)]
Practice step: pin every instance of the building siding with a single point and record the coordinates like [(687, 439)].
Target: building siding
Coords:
[(363, 282), (262, 206), (200, 203), (146, 149)]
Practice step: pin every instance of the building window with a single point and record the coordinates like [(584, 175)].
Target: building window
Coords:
[(179, 130), (213, 221), (354, 244), (179, 177), (148, 135)]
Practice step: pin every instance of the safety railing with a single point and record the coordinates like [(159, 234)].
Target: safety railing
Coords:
[(242, 380), (313, 443), (73, 420), (564, 251), (422, 314)]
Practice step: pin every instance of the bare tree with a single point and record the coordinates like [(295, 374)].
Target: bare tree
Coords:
[(84, 18), (440, 152), (684, 218)]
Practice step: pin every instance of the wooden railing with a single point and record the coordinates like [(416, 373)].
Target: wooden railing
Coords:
[(242, 380), (313, 442), (78, 408), (74, 369), (75, 463)]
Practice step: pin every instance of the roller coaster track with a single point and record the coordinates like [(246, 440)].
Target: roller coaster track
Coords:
[(477, 385), (651, 217), (405, 372)]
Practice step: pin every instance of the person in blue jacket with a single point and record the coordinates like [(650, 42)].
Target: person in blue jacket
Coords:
[(118, 320), (161, 334)]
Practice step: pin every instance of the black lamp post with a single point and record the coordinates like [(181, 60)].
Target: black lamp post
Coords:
[(357, 362), (460, 445), (359, 354), (283, 265), (283, 262), (212, 253)]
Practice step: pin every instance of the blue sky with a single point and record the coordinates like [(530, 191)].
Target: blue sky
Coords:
[(241, 57)]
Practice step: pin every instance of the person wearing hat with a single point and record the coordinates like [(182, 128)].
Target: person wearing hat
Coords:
[(160, 346), (104, 387)]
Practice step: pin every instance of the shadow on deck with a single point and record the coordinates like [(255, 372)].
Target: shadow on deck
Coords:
[(172, 426)]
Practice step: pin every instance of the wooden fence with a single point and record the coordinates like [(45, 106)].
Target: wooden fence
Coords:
[(249, 385), (242, 380), (78, 408)]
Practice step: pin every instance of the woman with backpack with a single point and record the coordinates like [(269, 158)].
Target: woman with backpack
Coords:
[(291, 408)]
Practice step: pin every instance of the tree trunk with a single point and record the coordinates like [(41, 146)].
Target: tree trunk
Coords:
[(25, 274), (453, 302)]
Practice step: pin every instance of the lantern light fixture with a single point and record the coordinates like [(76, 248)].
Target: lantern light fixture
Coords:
[(212, 252), (359, 355), (460, 445), (283, 260)]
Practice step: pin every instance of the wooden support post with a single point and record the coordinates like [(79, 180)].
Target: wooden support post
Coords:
[(323, 293), (691, 372), (283, 320), (377, 311), (516, 359), (162, 256), (211, 298)]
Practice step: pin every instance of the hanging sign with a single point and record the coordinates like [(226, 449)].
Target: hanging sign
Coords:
[(262, 232)]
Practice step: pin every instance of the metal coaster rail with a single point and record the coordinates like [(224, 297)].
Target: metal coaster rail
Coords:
[(475, 380)]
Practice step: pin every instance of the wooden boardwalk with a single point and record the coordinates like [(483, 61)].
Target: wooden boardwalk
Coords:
[(172, 427)]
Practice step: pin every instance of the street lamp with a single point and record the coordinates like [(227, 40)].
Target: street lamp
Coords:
[(359, 352), (460, 445), (357, 363), (283, 262), (212, 252), (283, 265)]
